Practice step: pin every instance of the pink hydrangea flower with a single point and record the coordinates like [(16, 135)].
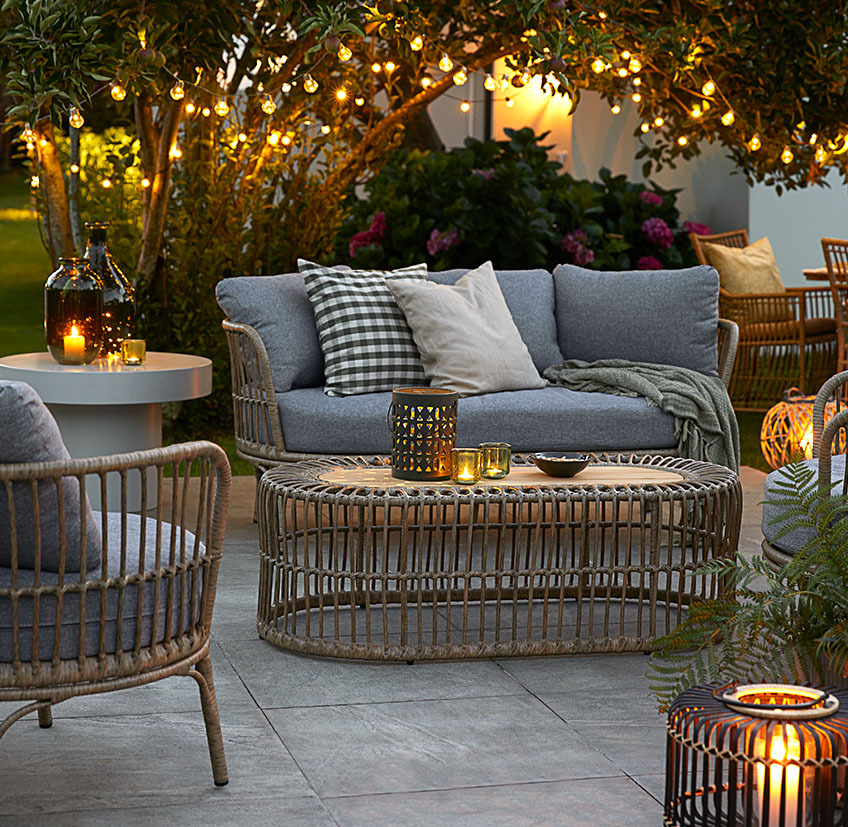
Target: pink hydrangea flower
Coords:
[(576, 243), (652, 198), (658, 233), (695, 227), (442, 240), (373, 235), (648, 263), (485, 174)]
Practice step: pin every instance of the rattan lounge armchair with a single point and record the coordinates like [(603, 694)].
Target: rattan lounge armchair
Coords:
[(785, 339), (143, 611), (836, 260)]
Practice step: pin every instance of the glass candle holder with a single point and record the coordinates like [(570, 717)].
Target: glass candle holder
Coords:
[(465, 465), (496, 457), (133, 351), (73, 304)]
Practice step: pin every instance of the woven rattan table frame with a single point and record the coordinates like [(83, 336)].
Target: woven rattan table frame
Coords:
[(413, 571)]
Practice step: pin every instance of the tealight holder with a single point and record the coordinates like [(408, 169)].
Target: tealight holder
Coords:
[(496, 456), (133, 351), (466, 464)]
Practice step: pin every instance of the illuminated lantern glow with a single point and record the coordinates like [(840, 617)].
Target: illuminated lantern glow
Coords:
[(490, 84), (177, 92), (117, 91), (460, 77), (417, 43), (445, 64), (708, 89), (755, 143), (345, 54), (728, 117), (222, 108), (310, 85), (598, 66), (75, 118), (787, 156), (787, 432), (268, 105)]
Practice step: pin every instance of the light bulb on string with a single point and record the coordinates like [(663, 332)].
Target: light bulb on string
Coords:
[(465, 106), (708, 89), (268, 106), (359, 101), (445, 64), (635, 65), (622, 72), (310, 85), (28, 135), (417, 43), (286, 139), (325, 130), (426, 82), (696, 112), (273, 138), (813, 138), (598, 66), (105, 183), (117, 91), (242, 136), (658, 122), (75, 118), (389, 66), (636, 97), (34, 182), (177, 91), (821, 155), (525, 77), (682, 140), (510, 102), (221, 107), (460, 77), (728, 117), (341, 94), (787, 156), (615, 109), (376, 67), (286, 88), (645, 127), (145, 183), (345, 54), (175, 153), (637, 81), (625, 55), (75, 168), (206, 111), (602, 15), (490, 84)]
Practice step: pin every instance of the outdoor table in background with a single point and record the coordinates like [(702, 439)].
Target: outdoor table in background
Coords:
[(108, 407)]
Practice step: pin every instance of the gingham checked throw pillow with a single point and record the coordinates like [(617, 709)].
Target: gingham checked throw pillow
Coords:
[(365, 337)]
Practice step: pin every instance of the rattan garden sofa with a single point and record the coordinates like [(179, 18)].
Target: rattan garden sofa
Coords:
[(669, 317), (93, 602)]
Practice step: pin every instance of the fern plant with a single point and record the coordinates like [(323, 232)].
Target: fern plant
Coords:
[(794, 627)]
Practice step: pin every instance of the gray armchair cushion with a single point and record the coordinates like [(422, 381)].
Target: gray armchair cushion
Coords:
[(529, 295), (552, 418), (28, 433), (794, 541), (154, 610), (667, 317), (281, 313)]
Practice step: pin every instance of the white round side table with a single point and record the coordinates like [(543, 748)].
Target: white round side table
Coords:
[(108, 407)]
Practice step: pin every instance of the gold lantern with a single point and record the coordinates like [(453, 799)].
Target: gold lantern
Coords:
[(787, 432)]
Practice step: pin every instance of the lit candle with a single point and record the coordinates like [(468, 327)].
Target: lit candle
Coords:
[(74, 345), (784, 746), (465, 475)]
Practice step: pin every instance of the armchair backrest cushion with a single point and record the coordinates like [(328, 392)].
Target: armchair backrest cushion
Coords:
[(529, 295), (28, 433), (278, 308), (667, 317)]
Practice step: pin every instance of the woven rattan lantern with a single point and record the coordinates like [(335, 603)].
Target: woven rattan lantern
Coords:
[(759, 755), (423, 426), (787, 432)]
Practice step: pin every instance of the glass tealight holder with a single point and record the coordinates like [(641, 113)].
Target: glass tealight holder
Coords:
[(465, 465), (133, 351), (496, 457)]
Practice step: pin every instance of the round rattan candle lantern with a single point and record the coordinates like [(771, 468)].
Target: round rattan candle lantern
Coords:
[(73, 304), (423, 426), (787, 432), (758, 755)]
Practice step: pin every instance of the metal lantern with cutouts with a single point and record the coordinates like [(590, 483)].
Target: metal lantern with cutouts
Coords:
[(787, 432), (423, 426), (757, 755)]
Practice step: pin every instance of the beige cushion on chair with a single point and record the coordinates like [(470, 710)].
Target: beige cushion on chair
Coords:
[(750, 269), (466, 335)]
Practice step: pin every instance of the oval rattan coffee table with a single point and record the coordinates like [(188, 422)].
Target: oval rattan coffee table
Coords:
[(356, 564)]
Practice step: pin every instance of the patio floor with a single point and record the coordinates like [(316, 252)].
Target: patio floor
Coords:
[(562, 740)]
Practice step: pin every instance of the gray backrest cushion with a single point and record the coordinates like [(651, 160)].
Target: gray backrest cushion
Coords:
[(529, 295), (281, 313), (667, 317), (28, 433)]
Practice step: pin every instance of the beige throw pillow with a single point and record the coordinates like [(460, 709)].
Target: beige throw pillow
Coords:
[(466, 335), (750, 269)]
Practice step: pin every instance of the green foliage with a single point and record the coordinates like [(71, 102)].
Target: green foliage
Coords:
[(795, 628), (506, 201)]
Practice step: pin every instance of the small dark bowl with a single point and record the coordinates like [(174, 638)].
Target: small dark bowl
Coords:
[(560, 464)]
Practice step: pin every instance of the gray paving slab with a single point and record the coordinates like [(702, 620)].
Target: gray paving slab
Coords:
[(590, 802), (403, 747), (636, 748)]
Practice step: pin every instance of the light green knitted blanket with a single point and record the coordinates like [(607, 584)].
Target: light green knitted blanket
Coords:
[(704, 422)]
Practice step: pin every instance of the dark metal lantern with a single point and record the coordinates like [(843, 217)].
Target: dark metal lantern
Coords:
[(757, 755), (423, 426)]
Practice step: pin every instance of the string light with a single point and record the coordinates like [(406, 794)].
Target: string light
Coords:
[(622, 72), (206, 111), (105, 183), (645, 127), (190, 108), (75, 168), (426, 82), (821, 155), (490, 84), (813, 138), (34, 182), (636, 97), (602, 15), (625, 55), (177, 91), (286, 88), (417, 43), (525, 77), (598, 66), (145, 182), (28, 135), (787, 156), (325, 129), (389, 66), (465, 106), (376, 67), (175, 153), (359, 101), (341, 94), (75, 118), (445, 64), (310, 85), (696, 112), (728, 118), (242, 136), (221, 107), (635, 65), (286, 140), (117, 91), (509, 102), (345, 54), (274, 137), (268, 106), (460, 77), (637, 81), (682, 140), (708, 89), (615, 109), (658, 122)]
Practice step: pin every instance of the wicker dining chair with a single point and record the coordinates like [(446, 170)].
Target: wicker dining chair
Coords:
[(786, 339), (836, 260), (93, 602)]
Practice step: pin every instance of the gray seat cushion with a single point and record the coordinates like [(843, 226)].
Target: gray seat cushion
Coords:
[(551, 418), (794, 541), (28, 433), (529, 295), (280, 311), (666, 317), (153, 608)]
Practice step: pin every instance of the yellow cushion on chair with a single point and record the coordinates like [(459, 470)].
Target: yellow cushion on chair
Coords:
[(750, 269)]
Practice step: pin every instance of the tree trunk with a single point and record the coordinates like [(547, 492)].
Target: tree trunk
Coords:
[(55, 198)]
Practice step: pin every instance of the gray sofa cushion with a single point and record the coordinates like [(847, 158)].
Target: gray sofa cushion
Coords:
[(70, 628), (794, 541), (551, 418), (28, 433), (666, 317), (280, 311), (529, 295)]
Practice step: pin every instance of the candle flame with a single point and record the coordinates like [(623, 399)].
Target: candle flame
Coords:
[(74, 331)]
